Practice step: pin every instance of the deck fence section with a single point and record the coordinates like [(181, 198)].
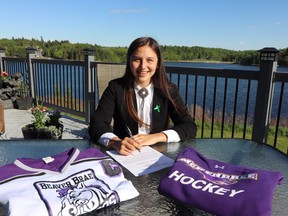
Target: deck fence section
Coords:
[(60, 84), (216, 98), (15, 65), (280, 105)]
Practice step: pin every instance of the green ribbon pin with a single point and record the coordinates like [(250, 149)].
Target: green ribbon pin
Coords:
[(157, 108)]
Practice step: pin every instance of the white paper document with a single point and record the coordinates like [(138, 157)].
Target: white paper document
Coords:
[(146, 161)]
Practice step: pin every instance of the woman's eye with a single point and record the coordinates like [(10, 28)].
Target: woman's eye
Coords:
[(150, 60)]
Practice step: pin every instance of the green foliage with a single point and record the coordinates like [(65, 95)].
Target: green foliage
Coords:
[(39, 116), (66, 50), (54, 117), (24, 90)]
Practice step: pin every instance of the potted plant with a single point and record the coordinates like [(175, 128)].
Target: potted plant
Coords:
[(45, 125), (24, 101)]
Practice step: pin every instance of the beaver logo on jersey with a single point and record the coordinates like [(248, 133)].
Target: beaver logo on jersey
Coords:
[(77, 194), (81, 199)]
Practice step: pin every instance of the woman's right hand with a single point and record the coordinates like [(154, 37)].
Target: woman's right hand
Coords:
[(125, 146)]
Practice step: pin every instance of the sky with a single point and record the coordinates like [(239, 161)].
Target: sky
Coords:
[(227, 24)]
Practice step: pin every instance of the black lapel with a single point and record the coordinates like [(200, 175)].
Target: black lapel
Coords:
[(159, 111)]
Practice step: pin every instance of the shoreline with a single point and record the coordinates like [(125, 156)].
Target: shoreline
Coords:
[(201, 61)]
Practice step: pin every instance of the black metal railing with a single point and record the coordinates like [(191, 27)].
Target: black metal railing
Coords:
[(60, 84), (214, 97), (16, 65)]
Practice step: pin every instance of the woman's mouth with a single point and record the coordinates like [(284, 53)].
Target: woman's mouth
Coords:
[(143, 73)]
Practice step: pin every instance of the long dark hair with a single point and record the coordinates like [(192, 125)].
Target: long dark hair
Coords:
[(160, 80)]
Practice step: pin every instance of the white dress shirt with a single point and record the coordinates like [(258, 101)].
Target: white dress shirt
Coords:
[(172, 135)]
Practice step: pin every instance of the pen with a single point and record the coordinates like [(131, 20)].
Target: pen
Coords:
[(130, 134)]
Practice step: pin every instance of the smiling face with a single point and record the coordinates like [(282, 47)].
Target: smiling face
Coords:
[(143, 64)]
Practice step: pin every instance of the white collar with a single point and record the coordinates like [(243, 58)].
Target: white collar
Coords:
[(150, 88)]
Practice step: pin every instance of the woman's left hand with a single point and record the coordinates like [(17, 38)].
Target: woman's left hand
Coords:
[(150, 139)]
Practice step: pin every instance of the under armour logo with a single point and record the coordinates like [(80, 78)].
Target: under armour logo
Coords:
[(219, 167)]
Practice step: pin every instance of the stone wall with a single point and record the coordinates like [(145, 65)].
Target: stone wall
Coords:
[(9, 90)]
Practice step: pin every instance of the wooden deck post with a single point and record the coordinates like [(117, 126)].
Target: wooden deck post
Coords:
[(89, 94), (30, 51), (264, 98)]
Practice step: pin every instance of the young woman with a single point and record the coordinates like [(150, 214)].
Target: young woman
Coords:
[(141, 103)]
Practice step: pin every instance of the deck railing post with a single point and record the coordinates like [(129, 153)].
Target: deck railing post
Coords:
[(264, 97), (2, 54), (30, 53), (89, 95)]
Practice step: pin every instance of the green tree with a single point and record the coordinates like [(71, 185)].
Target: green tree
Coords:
[(65, 50)]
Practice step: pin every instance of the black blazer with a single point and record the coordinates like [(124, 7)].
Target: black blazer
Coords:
[(112, 104)]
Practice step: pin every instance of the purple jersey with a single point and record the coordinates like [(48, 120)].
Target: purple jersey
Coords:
[(69, 183), (219, 188)]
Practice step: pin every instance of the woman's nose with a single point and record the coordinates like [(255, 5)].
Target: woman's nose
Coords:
[(143, 64)]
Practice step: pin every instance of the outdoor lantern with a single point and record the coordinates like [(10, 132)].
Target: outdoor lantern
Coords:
[(89, 51), (30, 50), (269, 54)]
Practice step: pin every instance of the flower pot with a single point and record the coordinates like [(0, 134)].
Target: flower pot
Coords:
[(24, 103), (29, 132)]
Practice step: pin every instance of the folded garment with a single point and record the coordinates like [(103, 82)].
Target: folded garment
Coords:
[(73, 182), (219, 188)]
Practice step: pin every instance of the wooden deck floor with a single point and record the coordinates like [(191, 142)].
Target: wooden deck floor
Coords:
[(15, 119)]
